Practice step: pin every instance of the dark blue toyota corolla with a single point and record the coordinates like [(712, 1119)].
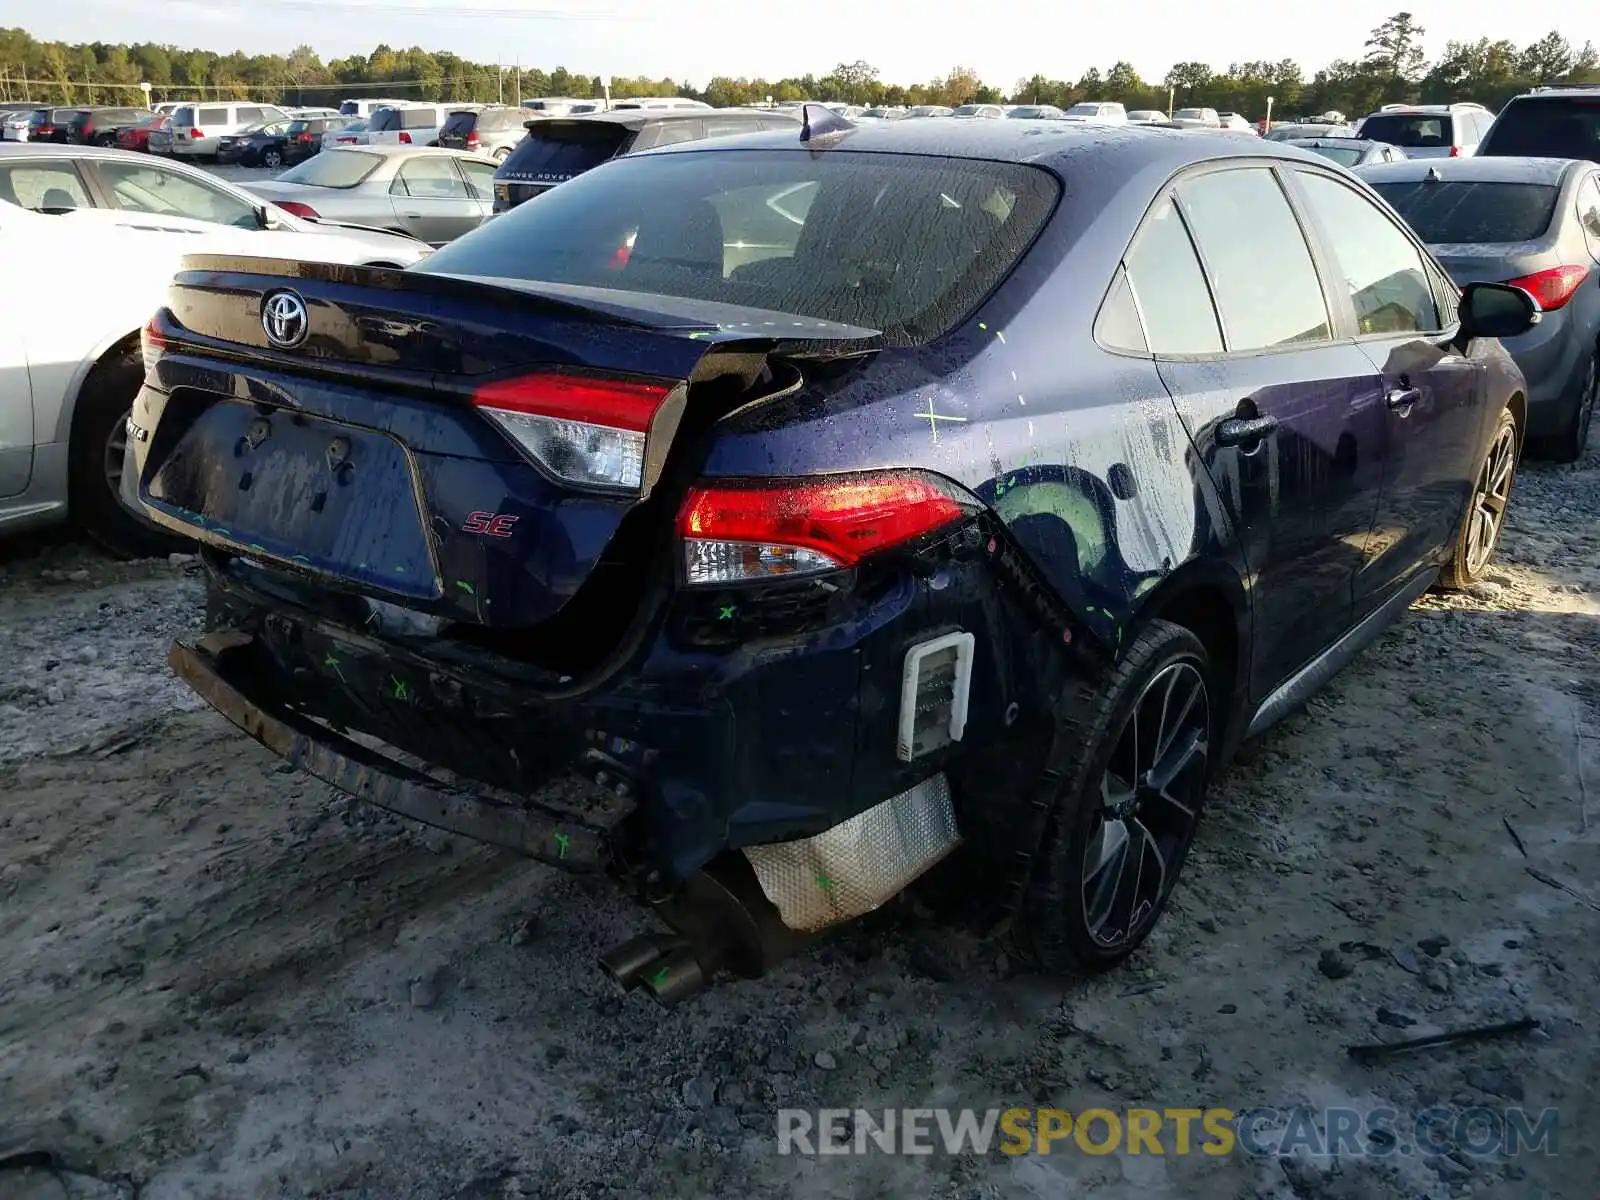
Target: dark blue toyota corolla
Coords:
[(772, 522)]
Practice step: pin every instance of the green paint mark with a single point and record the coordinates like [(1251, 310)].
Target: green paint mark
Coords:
[(465, 587), (983, 327), (332, 664), (563, 840), (659, 977), (824, 882), (401, 690), (727, 613), (399, 570)]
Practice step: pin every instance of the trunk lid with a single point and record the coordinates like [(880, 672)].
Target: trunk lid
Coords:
[(1494, 262), (375, 452)]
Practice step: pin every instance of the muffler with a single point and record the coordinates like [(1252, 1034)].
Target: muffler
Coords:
[(673, 977)]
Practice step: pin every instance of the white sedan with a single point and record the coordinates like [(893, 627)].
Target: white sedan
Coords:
[(78, 287)]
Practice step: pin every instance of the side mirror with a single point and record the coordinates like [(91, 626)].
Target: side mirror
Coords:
[(1497, 310)]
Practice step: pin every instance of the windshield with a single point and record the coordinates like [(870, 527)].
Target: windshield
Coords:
[(906, 244), (1345, 156), (1541, 127), (461, 122), (1084, 110), (1193, 114), (333, 169), (555, 151), (1415, 131), (1465, 211)]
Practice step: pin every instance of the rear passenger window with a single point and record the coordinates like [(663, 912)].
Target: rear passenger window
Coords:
[(1384, 273), (1118, 327), (212, 116), (250, 114), (1257, 260), (43, 185), (724, 128), (1170, 289), (669, 133)]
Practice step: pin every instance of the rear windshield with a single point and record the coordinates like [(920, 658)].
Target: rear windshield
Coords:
[(183, 116), (386, 120), (1556, 127), (1473, 212), (1416, 131), (907, 244), (565, 151), (333, 169), (65, 116), (461, 122), (1345, 156)]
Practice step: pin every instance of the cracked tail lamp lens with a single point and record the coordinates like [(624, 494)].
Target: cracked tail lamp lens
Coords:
[(582, 430), (761, 531), (151, 345)]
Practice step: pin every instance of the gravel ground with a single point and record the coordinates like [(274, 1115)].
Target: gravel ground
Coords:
[(223, 980)]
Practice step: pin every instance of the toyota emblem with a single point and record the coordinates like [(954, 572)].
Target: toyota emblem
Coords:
[(284, 319)]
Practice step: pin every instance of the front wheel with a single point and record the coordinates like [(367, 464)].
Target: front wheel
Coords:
[(1486, 512), (1125, 818)]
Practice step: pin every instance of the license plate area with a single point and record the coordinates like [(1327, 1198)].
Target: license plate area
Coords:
[(317, 493)]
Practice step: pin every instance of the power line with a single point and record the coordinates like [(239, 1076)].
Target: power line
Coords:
[(453, 77)]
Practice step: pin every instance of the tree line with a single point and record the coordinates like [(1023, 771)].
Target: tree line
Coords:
[(1392, 69)]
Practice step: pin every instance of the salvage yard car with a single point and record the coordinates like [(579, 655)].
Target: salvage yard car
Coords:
[(760, 520)]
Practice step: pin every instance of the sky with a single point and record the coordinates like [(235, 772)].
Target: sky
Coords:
[(692, 40)]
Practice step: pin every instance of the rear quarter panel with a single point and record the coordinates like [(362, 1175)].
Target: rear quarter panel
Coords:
[(1079, 451)]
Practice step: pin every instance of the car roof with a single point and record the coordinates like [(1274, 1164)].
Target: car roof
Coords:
[(651, 116), (1331, 140), (1473, 169), (402, 151), (1059, 144)]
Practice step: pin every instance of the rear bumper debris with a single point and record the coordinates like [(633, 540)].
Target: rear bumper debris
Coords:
[(561, 838)]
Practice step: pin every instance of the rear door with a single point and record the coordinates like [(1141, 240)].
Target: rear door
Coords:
[(1548, 126), (1278, 402), (16, 392), (431, 200), (1432, 409)]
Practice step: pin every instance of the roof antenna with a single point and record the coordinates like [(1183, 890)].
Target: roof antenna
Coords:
[(818, 120), (1433, 176)]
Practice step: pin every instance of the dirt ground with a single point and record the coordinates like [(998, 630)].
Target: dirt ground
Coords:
[(222, 980)]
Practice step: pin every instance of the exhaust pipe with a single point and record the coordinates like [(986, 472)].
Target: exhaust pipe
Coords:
[(626, 964), (673, 977)]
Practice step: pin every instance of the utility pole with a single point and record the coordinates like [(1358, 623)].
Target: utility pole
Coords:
[(500, 78), (519, 85), (1170, 92)]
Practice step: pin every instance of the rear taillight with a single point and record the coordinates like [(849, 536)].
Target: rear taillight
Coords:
[(744, 532), (405, 138), (88, 128), (1551, 288), (46, 130), (152, 345), (295, 207), (582, 429), (472, 138), (197, 134), (304, 139)]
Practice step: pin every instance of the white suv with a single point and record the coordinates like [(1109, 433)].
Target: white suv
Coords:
[(198, 128), (410, 124), (1098, 112), (1429, 130)]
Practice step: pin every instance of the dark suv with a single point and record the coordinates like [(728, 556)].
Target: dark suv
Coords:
[(495, 130), (1548, 122), (99, 126), (558, 148)]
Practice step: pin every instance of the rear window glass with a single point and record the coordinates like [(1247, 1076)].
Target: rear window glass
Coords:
[(1473, 212), (385, 120), (563, 152), (183, 116), (349, 109), (1568, 127), (333, 169), (1345, 156), (462, 122), (906, 244), (1415, 131)]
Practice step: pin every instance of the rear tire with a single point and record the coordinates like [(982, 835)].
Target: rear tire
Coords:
[(1568, 445), (1127, 814), (272, 159), (1479, 534), (94, 469), (502, 154)]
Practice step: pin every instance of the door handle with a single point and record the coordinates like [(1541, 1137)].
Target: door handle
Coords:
[(1402, 398), (1240, 431)]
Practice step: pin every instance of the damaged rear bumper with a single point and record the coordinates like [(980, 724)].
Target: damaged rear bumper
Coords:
[(572, 836)]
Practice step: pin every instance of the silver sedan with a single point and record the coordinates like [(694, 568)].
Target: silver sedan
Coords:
[(431, 193)]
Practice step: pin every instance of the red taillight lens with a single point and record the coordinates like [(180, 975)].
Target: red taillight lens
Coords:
[(750, 531), (295, 207), (304, 139), (88, 128), (1455, 151), (582, 429), (472, 138), (405, 138), (1552, 288), (46, 130), (197, 134), (152, 345)]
